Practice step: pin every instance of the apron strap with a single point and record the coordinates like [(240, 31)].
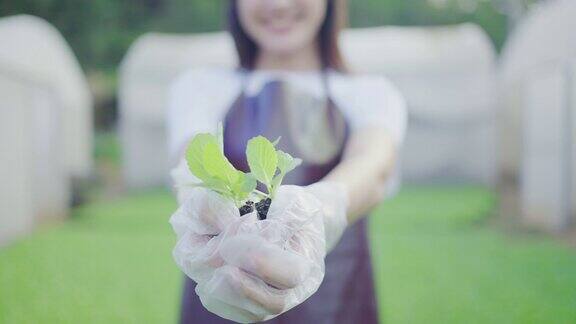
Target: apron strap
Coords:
[(245, 77)]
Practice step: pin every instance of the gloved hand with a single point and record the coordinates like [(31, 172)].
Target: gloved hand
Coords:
[(271, 265), (250, 270), (200, 224)]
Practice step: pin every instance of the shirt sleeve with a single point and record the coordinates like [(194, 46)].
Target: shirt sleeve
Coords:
[(375, 101), (194, 107)]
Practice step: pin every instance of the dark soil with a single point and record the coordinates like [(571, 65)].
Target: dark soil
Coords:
[(262, 207), (247, 208)]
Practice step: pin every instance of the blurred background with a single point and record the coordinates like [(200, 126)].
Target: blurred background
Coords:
[(482, 231)]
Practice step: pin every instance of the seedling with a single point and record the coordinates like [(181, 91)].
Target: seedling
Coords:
[(206, 161)]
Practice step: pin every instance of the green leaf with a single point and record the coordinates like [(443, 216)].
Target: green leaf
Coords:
[(206, 160), (217, 166), (195, 155), (249, 183), (276, 182), (262, 159), (244, 185), (286, 162), (218, 186)]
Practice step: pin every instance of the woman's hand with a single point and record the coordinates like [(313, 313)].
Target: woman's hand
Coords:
[(201, 223), (272, 265), (251, 270)]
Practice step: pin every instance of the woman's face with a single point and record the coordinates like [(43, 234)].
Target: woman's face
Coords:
[(282, 26)]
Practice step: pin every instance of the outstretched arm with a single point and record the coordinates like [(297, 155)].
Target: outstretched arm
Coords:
[(368, 162)]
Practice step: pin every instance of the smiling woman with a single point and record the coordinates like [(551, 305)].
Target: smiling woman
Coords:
[(295, 33), (347, 128)]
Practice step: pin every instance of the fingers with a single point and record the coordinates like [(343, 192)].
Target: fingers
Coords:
[(196, 255), (274, 265), (271, 299), (228, 311), (180, 221), (235, 287), (205, 212)]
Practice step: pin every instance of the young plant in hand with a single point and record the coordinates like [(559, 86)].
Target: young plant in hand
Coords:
[(206, 161)]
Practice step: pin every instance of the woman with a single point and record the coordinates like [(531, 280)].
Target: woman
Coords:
[(346, 127)]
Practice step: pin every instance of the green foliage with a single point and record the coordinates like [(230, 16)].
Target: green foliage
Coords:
[(367, 13), (206, 161), (286, 163), (262, 159), (195, 155), (269, 165), (100, 31)]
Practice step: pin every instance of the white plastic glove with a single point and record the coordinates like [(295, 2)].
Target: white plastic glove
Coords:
[(272, 265), (200, 224), (249, 270), (334, 201)]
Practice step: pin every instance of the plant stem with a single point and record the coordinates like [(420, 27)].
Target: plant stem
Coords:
[(258, 192)]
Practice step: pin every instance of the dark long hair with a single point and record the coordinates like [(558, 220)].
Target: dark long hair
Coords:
[(327, 38)]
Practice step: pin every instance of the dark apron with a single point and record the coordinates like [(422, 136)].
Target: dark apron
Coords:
[(347, 292)]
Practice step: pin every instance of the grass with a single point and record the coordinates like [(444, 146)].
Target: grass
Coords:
[(107, 148), (110, 264), (436, 261)]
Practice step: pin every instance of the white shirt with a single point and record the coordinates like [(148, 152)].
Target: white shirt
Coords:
[(200, 98)]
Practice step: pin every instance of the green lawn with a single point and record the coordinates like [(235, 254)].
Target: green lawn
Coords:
[(436, 262)]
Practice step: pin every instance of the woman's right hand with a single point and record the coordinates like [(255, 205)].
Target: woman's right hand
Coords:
[(248, 270), (211, 233), (201, 223), (270, 265)]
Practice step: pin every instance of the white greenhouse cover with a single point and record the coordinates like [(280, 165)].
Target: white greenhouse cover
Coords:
[(34, 48), (539, 114), (45, 125), (446, 74), (545, 36)]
